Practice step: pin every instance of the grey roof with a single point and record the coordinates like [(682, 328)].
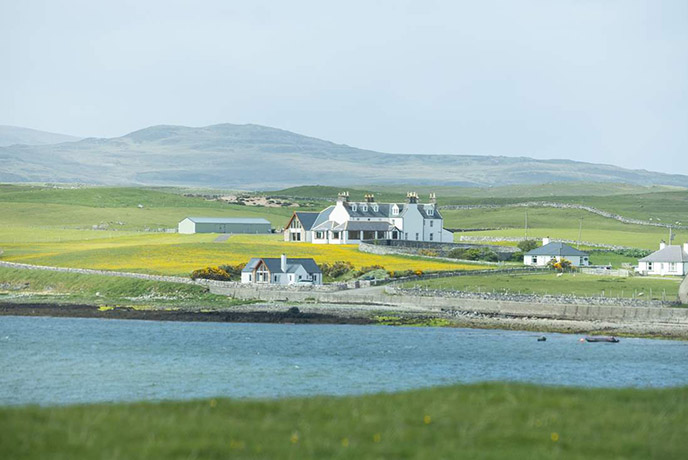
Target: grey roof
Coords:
[(323, 216), (307, 219), (274, 264), (556, 249), (672, 253), (384, 210), (368, 225), (228, 220)]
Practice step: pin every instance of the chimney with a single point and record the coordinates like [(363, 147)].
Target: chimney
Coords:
[(283, 263), (343, 197), (370, 198), (433, 198), (412, 197), (545, 241), (662, 245), (685, 248)]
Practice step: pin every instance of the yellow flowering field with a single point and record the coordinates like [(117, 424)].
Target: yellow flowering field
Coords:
[(177, 254)]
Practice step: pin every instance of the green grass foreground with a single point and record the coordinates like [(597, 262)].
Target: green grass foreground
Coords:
[(477, 421)]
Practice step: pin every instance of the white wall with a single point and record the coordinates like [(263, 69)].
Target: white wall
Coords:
[(187, 226), (663, 268), (542, 261)]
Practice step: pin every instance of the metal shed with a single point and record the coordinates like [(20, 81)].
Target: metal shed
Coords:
[(224, 225)]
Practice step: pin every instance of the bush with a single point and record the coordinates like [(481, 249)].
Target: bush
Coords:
[(485, 254), (337, 269), (527, 245), (428, 253), (211, 273), (517, 256), (560, 265)]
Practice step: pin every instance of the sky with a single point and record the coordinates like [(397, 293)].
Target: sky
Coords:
[(592, 80)]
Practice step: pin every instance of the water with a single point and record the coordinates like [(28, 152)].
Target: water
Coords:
[(72, 360)]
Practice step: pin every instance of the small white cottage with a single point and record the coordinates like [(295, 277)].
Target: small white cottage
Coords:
[(555, 251), (280, 270), (669, 260)]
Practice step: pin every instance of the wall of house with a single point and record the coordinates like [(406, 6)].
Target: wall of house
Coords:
[(541, 261), (186, 227), (663, 268)]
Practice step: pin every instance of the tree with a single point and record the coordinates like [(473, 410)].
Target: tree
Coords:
[(527, 245)]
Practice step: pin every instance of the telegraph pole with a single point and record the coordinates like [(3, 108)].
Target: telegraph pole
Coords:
[(580, 231), (526, 223)]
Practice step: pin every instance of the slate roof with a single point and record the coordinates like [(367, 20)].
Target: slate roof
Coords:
[(274, 264), (228, 220), (384, 210), (307, 219), (672, 253), (556, 249)]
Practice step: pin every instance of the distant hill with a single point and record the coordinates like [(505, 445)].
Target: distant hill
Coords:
[(259, 157), (10, 135)]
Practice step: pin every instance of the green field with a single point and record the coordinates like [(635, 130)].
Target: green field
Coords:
[(569, 283), (56, 287), (558, 223), (477, 421)]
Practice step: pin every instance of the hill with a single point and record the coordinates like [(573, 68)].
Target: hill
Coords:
[(11, 135), (251, 156)]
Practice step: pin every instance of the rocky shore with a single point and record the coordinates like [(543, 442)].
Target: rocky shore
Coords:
[(280, 313)]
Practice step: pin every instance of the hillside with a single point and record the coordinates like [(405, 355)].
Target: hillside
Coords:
[(10, 135), (251, 156)]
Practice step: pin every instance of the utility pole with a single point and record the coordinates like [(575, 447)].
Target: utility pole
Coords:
[(580, 231), (526, 223)]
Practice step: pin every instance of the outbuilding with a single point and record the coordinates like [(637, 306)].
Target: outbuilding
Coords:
[(555, 251), (224, 225), (669, 260)]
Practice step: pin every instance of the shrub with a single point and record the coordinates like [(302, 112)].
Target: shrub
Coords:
[(211, 273), (527, 245), (428, 253), (337, 269), (485, 254)]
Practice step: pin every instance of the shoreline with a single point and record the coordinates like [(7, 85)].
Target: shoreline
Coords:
[(360, 314)]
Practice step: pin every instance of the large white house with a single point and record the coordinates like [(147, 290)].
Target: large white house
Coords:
[(555, 251), (350, 222), (669, 260), (280, 270)]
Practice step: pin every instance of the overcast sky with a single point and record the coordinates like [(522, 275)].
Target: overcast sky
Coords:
[(600, 81)]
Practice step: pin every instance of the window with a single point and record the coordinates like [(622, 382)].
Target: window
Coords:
[(431, 235), (319, 235), (376, 208), (249, 277), (368, 235), (395, 235), (431, 211), (406, 235), (649, 266), (672, 267), (395, 210), (275, 278), (364, 207), (354, 235), (335, 235), (353, 207), (416, 236), (432, 222)]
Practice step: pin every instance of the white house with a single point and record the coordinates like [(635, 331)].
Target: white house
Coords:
[(669, 260), (280, 270), (555, 251), (350, 222)]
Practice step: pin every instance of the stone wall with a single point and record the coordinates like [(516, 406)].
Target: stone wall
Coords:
[(496, 239), (683, 291), (406, 247)]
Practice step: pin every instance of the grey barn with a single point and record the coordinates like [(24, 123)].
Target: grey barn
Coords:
[(224, 225)]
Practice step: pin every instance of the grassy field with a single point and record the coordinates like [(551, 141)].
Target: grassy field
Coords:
[(34, 285), (47, 226), (557, 223), (478, 421), (549, 283), (174, 254)]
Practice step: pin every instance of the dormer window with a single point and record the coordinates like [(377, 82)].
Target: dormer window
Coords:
[(364, 207), (431, 212), (376, 208), (353, 207), (395, 210)]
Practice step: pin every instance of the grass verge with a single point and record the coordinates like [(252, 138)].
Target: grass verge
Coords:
[(477, 421)]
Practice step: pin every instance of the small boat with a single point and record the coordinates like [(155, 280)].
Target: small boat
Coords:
[(601, 338), (542, 339)]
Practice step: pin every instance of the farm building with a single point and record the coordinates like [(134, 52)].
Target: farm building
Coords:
[(669, 260), (273, 270), (555, 251), (224, 225)]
